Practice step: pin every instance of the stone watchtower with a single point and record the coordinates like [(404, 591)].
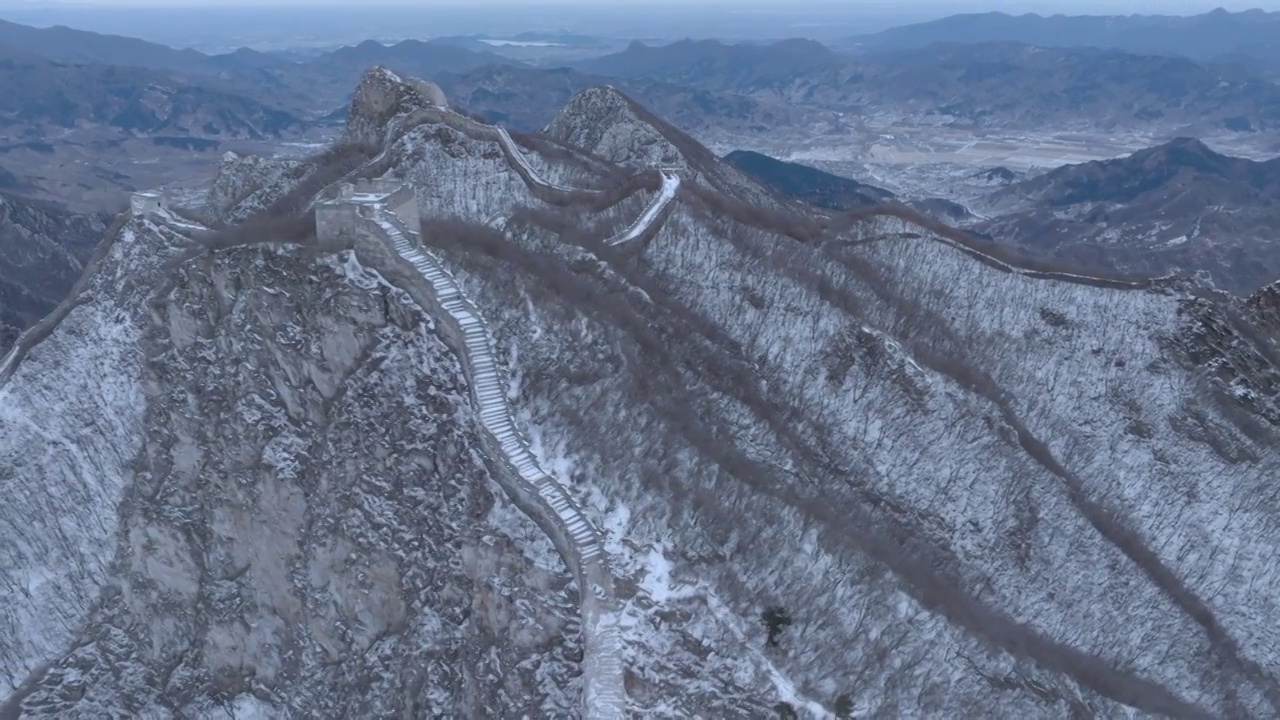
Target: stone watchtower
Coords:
[(338, 214)]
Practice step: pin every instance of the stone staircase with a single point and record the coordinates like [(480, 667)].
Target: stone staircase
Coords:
[(535, 491), (517, 156)]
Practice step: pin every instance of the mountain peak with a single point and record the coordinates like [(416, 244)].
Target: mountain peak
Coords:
[(604, 121), (610, 125), (383, 95), (1182, 160), (1188, 144), (1185, 152)]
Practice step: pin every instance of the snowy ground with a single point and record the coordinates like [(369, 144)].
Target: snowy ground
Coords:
[(659, 590)]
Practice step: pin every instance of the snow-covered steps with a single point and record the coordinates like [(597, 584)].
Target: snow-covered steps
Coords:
[(603, 660), (517, 156), (663, 198)]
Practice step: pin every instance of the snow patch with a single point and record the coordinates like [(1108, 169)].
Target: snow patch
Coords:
[(657, 582)]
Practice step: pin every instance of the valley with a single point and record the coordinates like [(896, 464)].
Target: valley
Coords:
[(933, 160)]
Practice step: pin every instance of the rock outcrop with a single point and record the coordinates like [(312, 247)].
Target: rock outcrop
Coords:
[(247, 184), (606, 123), (381, 96), (1265, 305)]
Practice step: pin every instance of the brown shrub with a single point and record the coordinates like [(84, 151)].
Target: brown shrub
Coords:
[(328, 167)]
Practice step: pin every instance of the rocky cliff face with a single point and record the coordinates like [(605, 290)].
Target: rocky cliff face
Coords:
[(846, 468), (246, 185), (1265, 305), (381, 96)]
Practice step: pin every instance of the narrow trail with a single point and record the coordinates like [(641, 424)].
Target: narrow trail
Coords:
[(515, 467)]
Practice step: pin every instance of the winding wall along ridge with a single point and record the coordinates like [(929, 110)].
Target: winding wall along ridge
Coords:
[(526, 169), (659, 203), (532, 489)]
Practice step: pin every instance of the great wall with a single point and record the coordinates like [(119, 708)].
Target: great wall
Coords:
[(375, 218)]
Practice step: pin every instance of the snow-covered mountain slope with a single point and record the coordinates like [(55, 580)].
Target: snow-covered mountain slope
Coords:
[(72, 412), (855, 471), (1045, 468), (249, 483), (247, 184), (966, 405)]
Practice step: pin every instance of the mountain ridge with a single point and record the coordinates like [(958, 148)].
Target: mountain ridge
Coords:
[(68, 45), (1207, 36), (897, 441), (43, 91), (991, 84), (1178, 206)]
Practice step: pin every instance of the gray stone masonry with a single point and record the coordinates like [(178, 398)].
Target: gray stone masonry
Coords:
[(376, 221)]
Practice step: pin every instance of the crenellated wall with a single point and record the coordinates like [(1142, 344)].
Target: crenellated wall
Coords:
[(403, 204), (338, 218), (336, 225)]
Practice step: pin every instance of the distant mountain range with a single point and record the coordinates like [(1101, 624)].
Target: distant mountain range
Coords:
[(301, 88), (46, 95), (1210, 36), (714, 65), (67, 45), (528, 98), (697, 84), (1178, 207), (980, 85)]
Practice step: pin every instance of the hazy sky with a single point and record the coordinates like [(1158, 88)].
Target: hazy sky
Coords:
[(942, 6), (223, 25)]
